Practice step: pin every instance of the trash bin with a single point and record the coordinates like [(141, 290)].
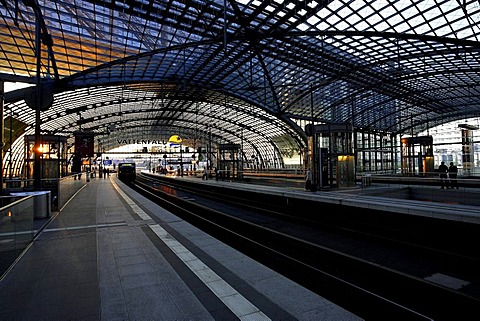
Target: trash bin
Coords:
[(41, 202)]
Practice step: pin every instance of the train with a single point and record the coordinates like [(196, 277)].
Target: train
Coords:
[(126, 172)]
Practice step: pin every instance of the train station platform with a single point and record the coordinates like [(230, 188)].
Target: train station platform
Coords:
[(111, 254), (461, 205)]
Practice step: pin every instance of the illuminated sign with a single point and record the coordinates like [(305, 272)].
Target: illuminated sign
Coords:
[(175, 139), (140, 141)]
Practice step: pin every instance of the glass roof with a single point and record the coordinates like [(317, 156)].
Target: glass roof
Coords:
[(243, 70)]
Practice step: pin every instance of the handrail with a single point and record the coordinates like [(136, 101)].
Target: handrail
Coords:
[(14, 203)]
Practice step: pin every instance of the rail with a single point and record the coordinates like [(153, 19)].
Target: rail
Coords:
[(319, 267)]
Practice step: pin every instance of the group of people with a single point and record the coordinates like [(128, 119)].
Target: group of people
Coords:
[(446, 173)]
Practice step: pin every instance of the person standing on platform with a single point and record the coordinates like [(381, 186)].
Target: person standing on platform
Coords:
[(308, 180), (205, 174), (452, 173), (442, 171)]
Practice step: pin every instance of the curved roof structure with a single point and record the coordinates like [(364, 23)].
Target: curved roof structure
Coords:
[(244, 70)]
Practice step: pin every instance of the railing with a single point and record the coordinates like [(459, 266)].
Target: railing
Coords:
[(16, 228), (68, 186), (426, 187), (62, 189), (466, 191), (18, 212), (273, 171)]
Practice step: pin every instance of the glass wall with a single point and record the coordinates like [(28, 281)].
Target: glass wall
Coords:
[(449, 145), (375, 151), (16, 228)]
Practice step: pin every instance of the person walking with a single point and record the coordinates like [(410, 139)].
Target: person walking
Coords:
[(452, 174), (205, 174), (308, 180), (442, 171)]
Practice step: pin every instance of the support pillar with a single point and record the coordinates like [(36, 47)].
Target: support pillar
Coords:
[(2, 100), (37, 175)]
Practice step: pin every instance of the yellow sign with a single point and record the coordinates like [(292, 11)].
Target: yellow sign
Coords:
[(175, 139)]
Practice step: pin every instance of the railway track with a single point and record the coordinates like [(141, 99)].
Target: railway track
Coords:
[(300, 250)]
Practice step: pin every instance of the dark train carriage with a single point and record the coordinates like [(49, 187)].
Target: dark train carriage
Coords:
[(126, 172)]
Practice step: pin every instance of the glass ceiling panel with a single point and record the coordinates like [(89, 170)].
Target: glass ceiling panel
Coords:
[(416, 60)]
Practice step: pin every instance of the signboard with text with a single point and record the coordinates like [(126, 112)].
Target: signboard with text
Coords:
[(84, 144)]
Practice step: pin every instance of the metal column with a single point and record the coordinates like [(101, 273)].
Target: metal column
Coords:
[(2, 100)]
